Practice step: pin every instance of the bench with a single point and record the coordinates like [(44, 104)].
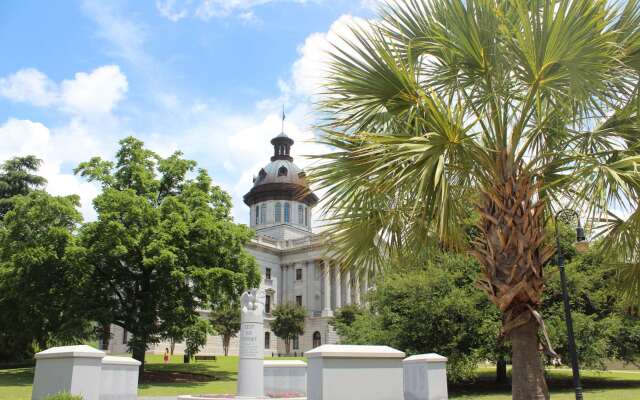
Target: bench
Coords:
[(205, 357)]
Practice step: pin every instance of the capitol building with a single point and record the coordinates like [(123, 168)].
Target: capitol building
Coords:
[(295, 264)]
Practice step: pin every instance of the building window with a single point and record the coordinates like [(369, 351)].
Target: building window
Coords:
[(257, 215), (268, 273), (125, 337), (267, 304), (282, 171), (277, 211), (299, 300), (263, 213), (267, 340), (300, 214), (299, 274), (296, 343), (287, 213), (317, 339), (306, 216)]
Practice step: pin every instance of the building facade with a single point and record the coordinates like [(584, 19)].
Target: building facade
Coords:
[(296, 266)]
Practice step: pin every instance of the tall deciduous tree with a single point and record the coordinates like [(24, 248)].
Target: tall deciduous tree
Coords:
[(17, 177), (163, 243), (41, 282), (288, 322), (533, 105), (225, 320)]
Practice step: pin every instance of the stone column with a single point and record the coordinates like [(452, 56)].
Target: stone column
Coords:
[(357, 289), (251, 367), (326, 306), (365, 285), (347, 288), (338, 287)]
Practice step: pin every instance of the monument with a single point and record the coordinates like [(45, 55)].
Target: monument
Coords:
[(251, 367)]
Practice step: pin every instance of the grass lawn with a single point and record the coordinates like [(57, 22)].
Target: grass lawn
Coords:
[(15, 384)]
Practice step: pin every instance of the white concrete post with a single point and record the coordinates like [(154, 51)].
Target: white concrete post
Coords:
[(347, 288), (119, 378), (73, 369), (326, 309), (348, 372), (251, 368), (338, 287), (425, 377)]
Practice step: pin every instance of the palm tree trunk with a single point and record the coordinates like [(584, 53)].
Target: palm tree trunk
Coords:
[(512, 253), (527, 373)]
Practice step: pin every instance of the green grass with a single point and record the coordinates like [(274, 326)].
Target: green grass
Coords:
[(15, 384)]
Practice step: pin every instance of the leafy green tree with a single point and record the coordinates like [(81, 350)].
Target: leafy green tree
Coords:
[(524, 106), (41, 282), (288, 322), (225, 320), (163, 243), (17, 178), (430, 307), (195, 336)]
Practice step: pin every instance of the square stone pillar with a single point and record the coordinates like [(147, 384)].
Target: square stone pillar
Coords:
[(73, 369), (425, 377), (348, 372), (326, 306), (338, 287), (347, 288), (119, 378), (285, 378)]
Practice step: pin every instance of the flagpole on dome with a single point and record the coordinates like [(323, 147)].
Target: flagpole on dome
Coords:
[(283, 117)]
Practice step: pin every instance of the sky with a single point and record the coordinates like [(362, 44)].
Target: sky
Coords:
[(207, 77)]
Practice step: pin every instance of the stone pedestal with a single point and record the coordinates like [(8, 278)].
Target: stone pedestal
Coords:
[(283, 377), (119, 378), (73, 369), (425, 377), (347, 372), (250, 369)]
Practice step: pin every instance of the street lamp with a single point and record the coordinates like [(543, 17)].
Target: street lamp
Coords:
[(567, 216)]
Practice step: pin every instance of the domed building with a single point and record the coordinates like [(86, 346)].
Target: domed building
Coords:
[(296, 267)]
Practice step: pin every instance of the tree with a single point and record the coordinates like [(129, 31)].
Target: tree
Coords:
[(524, 106), (225, 320), (163, 243), (41, 284), (17, 178), (428, 306), (195, 337), (288, 322)]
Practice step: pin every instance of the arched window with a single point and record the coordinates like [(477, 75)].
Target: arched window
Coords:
[(282, 171), (262, 174), (276, 212), (267, 340), (296, 343), (287, 213), (300, 214), (257, 215), (263, 213), (317, 339)]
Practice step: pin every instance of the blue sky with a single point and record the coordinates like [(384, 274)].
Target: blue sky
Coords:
[(208, 77)]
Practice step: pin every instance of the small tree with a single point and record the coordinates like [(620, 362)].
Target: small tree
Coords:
[(195, 337), (225, 320), (288, 322), (17, 179)]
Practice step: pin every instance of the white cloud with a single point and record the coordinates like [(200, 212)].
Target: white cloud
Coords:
[(310, 69), (93, 93), (176, 10), (29, 86), (97, 92), (22, 137)]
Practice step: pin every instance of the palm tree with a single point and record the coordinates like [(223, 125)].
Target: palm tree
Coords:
[(517, 106)]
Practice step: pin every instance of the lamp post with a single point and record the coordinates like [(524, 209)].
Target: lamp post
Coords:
[(568, 216)]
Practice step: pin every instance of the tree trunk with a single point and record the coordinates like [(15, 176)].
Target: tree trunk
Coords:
[(501, 370), (225, 344), (287, 345), (138, 354), (527, 373), (172, 346)]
